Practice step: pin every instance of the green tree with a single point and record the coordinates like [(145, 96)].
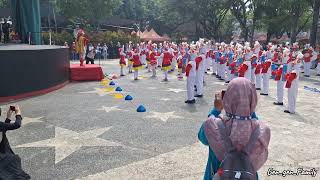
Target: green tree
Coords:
[(314, 28), (300, 13), (4, 3), (240, 9), (87, 10)]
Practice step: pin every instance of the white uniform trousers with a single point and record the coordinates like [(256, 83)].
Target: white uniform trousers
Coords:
[(307, 67), (280, 91), (265, 83), (190, 87), (292, 96)]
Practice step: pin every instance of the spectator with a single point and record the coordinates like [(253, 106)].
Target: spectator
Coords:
[(91, 54), (66, 44), (1, 23), (73, 51), (239, 102), (10, 163), (6, 31), (105, 51), (98, 51)]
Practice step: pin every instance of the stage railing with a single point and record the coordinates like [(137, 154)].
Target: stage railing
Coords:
[(46, 37)]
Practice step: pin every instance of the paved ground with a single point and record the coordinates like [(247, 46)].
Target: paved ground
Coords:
[(83, 132)]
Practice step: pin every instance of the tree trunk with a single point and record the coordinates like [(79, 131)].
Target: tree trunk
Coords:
[(314, 28), (269, 34), (252, 30), (246, 33), (295, 19)]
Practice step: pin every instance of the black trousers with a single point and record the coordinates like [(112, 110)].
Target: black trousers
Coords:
[(6, 37), (89, 60)]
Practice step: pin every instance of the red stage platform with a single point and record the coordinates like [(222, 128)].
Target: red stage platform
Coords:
[(88, 72)]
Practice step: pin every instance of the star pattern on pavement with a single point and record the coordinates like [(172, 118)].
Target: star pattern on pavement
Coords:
[(99, 91), (109, 109), (67, 141), (164, 116), (152, 88), (27, 120), (176, 90)]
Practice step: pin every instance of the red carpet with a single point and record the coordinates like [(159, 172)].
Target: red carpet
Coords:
[(88, 72)]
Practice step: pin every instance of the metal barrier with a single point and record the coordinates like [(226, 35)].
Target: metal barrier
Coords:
[(42, 42)]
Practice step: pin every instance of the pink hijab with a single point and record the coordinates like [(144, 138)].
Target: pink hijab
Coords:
[(240, 99)]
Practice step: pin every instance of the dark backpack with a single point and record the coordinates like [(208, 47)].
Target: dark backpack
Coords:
[(236, 165)]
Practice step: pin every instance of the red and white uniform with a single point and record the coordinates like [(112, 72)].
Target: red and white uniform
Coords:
[(292, 84), (122, 60), (130, 61), (153, 62), (191, 78), (137, 65), (307, 62), (258, 74), (266, 73)]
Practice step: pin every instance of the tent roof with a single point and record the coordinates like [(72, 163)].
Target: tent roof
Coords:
[(152, 35)]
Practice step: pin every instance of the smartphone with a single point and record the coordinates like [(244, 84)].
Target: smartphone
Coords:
[(12, 108), (222, 93)]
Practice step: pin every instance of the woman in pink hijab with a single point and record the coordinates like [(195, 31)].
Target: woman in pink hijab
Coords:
[(239, 103)]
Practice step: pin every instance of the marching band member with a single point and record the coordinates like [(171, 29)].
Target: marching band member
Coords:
[(258, 70), (122, 61), (130, 60), (266, 73), (137, 65), (153, 63), (191, 78), (215, 59), (208, 56), (166, 62), (307, 62), (247, 61), (200, 67), (292, 84), (180, 66)]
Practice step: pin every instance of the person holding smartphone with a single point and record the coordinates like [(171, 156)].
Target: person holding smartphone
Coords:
[(10, 163), (239, 104)]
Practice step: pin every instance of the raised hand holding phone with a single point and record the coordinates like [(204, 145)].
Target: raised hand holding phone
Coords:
[(218, 101)]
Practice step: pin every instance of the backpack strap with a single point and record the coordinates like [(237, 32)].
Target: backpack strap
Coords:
[(225, 137), (252, 141)]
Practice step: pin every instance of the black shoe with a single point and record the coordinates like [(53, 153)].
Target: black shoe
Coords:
[(136, 79), (198, 96), (258, 89), (306, 76), (318, 74), (190, 101), (214, 74), (286, 111), (122, 75), (228, 82), (262, 94), (278, 103)]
